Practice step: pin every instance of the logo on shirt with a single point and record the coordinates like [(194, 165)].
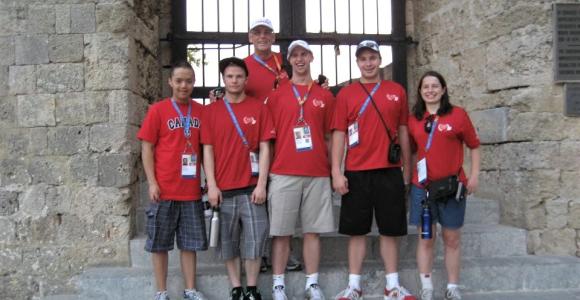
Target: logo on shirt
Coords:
[(392, 97), (177, 122), (444, 127), (249, 120), (318, 103)]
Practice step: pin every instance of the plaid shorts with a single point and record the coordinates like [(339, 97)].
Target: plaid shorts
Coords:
[(240, 219), (182, 219)]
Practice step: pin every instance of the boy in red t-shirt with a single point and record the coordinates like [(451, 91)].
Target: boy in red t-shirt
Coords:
[(171, 159), (236, 142)]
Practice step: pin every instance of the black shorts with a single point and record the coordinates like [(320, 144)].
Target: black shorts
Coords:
[(380, 191)]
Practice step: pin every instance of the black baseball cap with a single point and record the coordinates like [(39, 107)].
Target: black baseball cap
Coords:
[(232, 61)]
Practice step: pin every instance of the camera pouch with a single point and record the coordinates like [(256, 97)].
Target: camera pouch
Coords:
[(441, 190), (394, 153)]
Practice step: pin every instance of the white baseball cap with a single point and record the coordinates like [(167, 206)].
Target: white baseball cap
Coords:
[(263, 21), (298, 43)]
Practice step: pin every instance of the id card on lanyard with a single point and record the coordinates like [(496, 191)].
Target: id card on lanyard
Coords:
[(302, 133), (254, 158), (278, 72), (422, 164), (188, 157), (353, 128)]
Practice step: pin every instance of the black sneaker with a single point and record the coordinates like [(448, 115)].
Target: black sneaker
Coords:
[(293, 263), (264, 265), (237, 293), (253, 294)]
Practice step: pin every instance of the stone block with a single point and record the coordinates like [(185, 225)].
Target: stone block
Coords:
[(48, 169), (107, 48), (532, 64), (4, 79), (557, 213), (33, 200), (117, 170), (536, 126), (14, 172), (522, 156), (31, 49), (83, 108), (114, 17), (82, 169), (41, 19), (36, 110), (38, 144), (574, 214), (7, 47), (93, 201), (569, 188), (13, 18), (82, 18), (567, 158), (147, 36), (144, 78), (65, 48), (68, 140), (15, 142), (556, 242), (106, 76), (491, 124), (8, 232), (7, 111), (22, 80), (114, 138), (126, 108), (62, 14), (8, 202), (58, 78)]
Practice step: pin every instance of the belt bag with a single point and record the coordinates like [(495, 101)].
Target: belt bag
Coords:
[(441, 190), (394, 153)]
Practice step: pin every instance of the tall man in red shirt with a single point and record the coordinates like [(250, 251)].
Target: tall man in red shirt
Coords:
[(299, 180), (235, 137), (374, 113), (171, 159)]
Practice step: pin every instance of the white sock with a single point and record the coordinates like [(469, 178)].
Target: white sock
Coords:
[(392, 281), (311, 279), (278, 280), (452, 286), (354, 281), (426, 281)]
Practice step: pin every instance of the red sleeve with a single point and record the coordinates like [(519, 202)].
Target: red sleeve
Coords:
[(340, 116), (149, 131), (267, 129), (329, 116), (404, 112), (468, 133), (206, 117)]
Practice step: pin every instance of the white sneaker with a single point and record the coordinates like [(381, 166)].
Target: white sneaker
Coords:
[(399, 293), (426, 294), (193, 295), (278, 293), (314, 293), (349, 294), (161, 296), (452, 294)]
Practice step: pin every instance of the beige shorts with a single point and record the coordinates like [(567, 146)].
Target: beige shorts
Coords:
[(304, 196)]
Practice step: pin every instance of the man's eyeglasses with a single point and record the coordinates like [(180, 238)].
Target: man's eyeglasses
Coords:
[(429, 123)]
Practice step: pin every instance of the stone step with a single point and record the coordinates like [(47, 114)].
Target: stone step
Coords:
[(480, 276), (478, 241), (526, 295)]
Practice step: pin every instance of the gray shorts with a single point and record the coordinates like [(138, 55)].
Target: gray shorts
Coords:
[(168, 219), (309, 198), (243, 227)]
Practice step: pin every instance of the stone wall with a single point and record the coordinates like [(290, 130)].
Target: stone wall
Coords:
[(75, 79), (497, 59)]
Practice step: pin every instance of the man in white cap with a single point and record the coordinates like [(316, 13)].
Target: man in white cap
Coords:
[(300, 173), (372, 116)]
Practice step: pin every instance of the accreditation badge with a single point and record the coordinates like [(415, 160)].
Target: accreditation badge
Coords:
[(303, 138), (422, 170), (254, 163), (189, 165), (353, 135)]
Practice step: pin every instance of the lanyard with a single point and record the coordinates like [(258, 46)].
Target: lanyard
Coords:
[(265, 65), (236, 124), (431, 134), (186, 120), (368, 100), (301, 100)]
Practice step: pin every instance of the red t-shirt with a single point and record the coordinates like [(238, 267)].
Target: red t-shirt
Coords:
[(445, 156), (163, 128), (261, 79), (318, 112), (372, 149), (232, 158)]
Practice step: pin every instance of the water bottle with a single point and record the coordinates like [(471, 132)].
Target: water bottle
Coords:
[(214, 228), (426, 233)]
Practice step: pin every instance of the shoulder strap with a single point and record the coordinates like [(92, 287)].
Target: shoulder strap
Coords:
[(378, 112)]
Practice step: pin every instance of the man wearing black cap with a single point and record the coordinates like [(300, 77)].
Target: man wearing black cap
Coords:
[(236, 135), (374, 114)]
